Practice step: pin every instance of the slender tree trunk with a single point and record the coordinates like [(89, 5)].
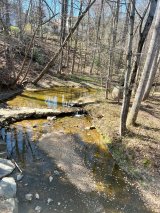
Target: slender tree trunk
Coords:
[(147, 68), (97, 36), (153, 72), (143, 36), (128, 72), (52, 61)]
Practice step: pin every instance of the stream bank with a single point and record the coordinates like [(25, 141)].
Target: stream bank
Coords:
[(50, 151), (138, 153)]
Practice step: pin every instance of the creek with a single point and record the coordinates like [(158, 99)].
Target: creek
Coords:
[(66, 162)]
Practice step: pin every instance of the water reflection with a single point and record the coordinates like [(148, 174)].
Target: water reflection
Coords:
[(57, 97)]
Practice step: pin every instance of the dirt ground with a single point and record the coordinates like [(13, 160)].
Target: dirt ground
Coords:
[(138, 153)]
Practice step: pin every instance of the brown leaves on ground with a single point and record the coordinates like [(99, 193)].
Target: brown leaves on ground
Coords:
[(138, 152)]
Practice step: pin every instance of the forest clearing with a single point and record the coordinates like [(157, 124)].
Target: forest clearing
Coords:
[(80, 106)]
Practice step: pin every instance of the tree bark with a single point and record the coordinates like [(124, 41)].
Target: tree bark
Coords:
[(147, 68), (143, 36), (125, 105)]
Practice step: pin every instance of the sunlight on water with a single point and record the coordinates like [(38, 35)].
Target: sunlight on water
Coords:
[(59, 96)]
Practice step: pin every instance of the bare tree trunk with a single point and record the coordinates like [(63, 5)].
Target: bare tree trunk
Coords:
[(147, 68), (128, 72), (112, 47), (52, 61), (97, 36), (64, 13), (153, 72), (143, 36)]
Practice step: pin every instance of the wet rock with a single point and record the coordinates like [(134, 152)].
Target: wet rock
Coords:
[(9, 205), (59, 203), (87, 128), (19, 177), (117, 93), (37, 196), (49, 201), (51, 118), (50, 179), (56, 172), (29, 197), (38, 209), (3, 146), (6, 167), (8, 187)]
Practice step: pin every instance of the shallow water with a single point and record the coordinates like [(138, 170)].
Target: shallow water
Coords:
[(114, 193), (53, 98)]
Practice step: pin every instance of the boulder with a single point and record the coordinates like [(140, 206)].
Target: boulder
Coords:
[(8, 187), (117, 93), (9, 205), (6, 167)]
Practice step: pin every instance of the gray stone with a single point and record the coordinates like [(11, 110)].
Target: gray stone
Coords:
[(8, 187), (37, 196), (51, 118), (117, 93), (38, 209), (19, 177), (6, 167), (49, 201), (9, 205), (29, 197)]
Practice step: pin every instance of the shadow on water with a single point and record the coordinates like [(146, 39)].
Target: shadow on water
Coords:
[(113, 195)]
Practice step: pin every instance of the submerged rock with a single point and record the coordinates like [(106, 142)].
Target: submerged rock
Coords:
[(50, 179), (19, 177), (6, 167), (38, 209), (29, 197), (49, 201), (9, 205), (56, 172), (37, 196), (8, 187)]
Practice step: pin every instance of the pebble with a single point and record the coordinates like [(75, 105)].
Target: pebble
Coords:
[(29, 197), (19, 177), (59, 203), (37, 196), (51, 118), (49, 200), (8, 187), (50, 179), (38, 209), (56, 172)]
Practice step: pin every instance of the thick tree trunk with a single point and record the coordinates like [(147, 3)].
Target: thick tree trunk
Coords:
[(143, 36), (147, 68)]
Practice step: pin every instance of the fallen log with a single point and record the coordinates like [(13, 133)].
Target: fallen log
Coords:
[(8, 116)]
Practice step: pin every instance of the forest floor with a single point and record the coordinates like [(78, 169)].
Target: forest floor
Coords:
[(138, 153)]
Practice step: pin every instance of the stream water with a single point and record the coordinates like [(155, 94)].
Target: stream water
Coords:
[(78, 146)]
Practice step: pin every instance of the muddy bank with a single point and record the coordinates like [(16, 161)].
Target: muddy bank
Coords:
[(138, 153)]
